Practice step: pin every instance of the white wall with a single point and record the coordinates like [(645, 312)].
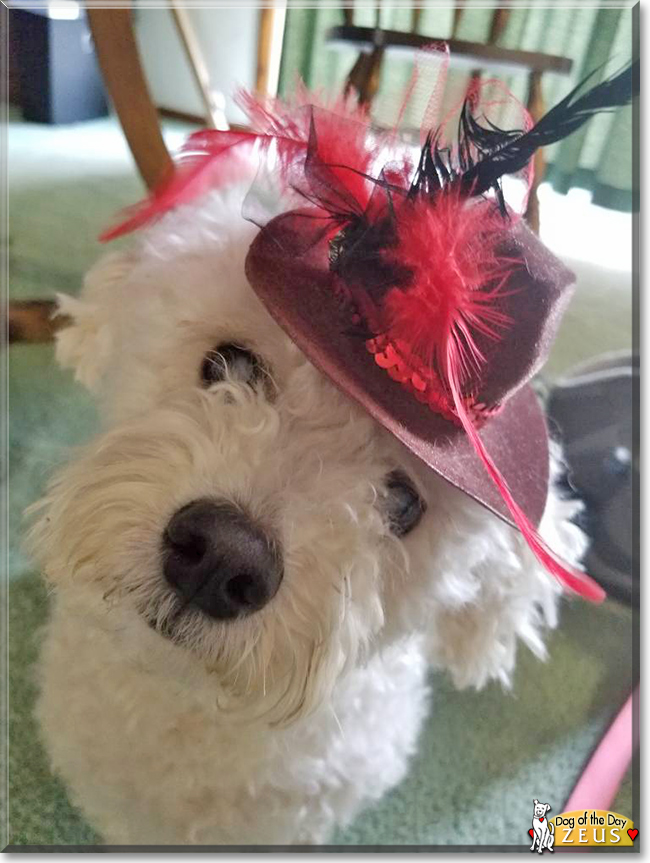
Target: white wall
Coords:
[(228, 40)]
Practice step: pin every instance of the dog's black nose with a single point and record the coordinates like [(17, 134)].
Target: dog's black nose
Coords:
[(220, 561)]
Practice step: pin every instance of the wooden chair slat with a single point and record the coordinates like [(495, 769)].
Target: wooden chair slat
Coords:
[(365, 38), (374, 43)]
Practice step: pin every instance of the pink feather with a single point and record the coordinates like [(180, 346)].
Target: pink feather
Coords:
[(571, 578), (458, 276), (451, 250), (211, 159)]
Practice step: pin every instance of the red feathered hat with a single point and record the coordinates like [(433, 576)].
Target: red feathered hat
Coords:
[(413, 286)]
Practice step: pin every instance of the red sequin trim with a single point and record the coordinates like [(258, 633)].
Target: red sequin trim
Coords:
[(424, 384)]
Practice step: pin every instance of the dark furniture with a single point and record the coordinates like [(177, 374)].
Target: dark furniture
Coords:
[(59, 80)]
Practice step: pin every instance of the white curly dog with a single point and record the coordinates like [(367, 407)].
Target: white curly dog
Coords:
[(269, 704)]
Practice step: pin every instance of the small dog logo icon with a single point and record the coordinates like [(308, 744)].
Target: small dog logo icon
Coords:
[(542, 832)]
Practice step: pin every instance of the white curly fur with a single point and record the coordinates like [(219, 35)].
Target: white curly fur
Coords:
[(277, 727)]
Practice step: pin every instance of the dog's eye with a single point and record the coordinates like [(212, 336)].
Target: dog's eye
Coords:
[(233, 361), (403, 505)]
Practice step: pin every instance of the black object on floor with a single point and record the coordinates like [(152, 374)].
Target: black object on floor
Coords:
[(593, 410), (60, 81)]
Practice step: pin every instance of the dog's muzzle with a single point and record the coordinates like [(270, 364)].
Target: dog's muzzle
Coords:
[(219, 561)]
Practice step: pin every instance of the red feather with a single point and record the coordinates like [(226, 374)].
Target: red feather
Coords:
[(451, 249), (211, 159), (570, 577)]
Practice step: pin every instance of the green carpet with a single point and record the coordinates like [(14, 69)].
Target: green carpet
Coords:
[(483, 756)]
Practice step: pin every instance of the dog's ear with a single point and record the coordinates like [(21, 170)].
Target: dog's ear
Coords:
[(535, 802), (85, 343), (548, 807)]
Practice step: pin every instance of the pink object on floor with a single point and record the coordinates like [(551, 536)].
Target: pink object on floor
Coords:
[(604, 774)]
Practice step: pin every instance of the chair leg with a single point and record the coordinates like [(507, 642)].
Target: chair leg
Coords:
[(364, 76), (32, 321), (117, 52), (213, 102), (536, 110)]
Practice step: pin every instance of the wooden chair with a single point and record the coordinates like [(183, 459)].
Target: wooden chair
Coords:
[(117, 52), (119, 60), (375, 44)]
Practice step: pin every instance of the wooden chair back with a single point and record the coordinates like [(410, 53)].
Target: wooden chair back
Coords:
[(365, 75), (119, 59)]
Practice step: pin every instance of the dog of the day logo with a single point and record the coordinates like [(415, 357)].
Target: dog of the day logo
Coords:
[(596, 828), (542, 832)]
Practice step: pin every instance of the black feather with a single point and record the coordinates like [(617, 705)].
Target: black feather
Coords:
[(504, 152), (485, 153)]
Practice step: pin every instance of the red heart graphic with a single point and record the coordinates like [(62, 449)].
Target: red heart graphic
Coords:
[(541, 819), (530, 832), (633, 834)]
